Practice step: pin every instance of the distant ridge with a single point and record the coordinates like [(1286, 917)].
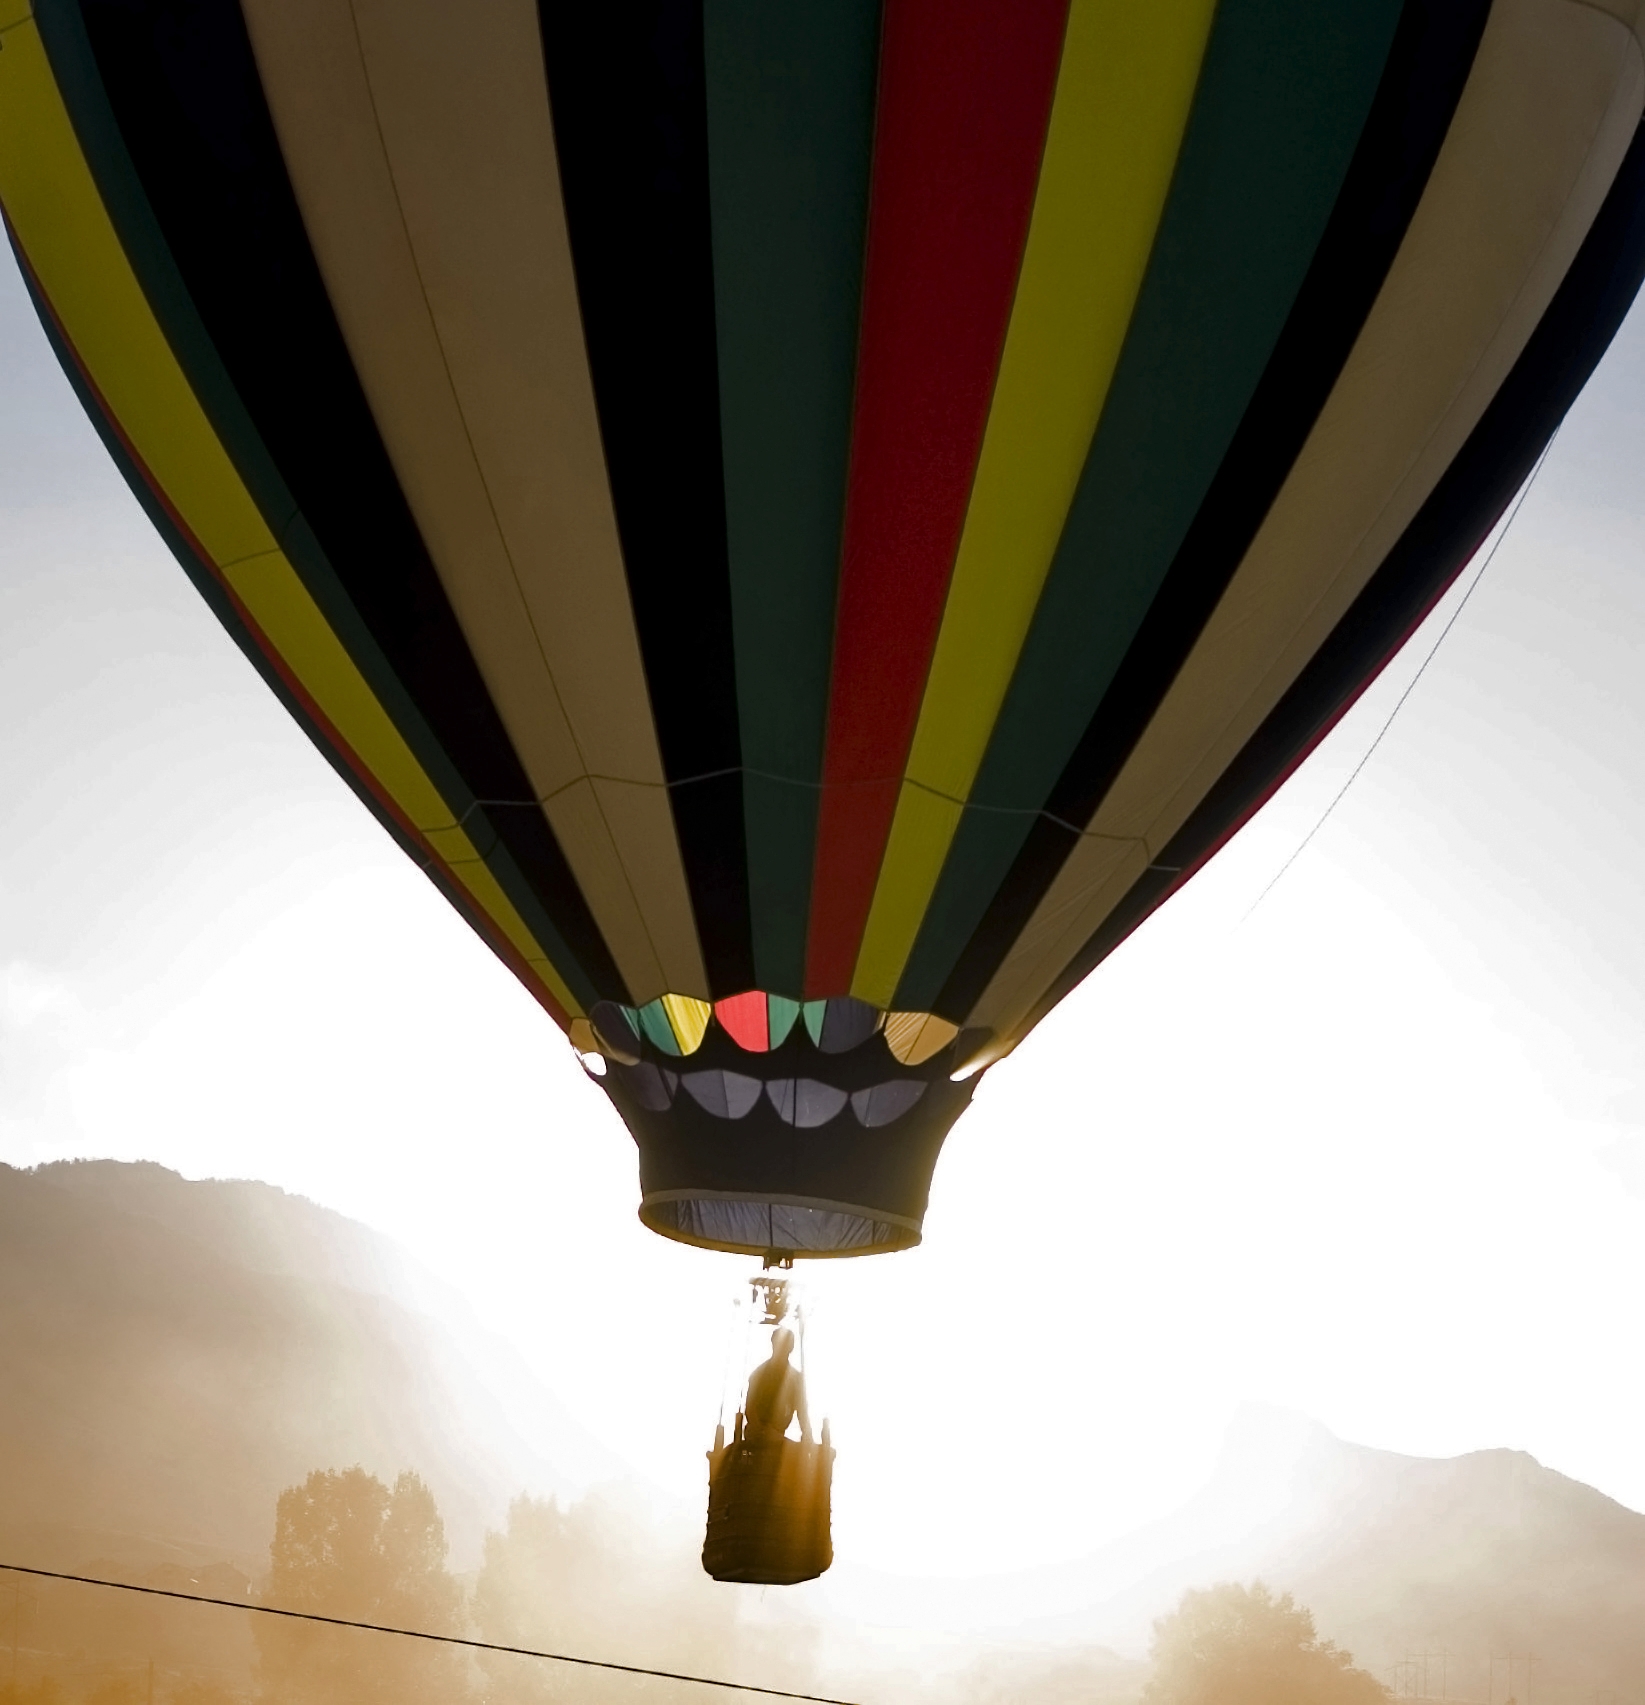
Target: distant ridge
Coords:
[(1464, 1557), (1485, 1553), (175, 1353)]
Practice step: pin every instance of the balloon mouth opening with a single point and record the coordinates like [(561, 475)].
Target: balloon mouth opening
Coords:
[(754, 1224)]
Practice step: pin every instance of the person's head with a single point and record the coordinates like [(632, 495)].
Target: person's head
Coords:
[(782, 1344)]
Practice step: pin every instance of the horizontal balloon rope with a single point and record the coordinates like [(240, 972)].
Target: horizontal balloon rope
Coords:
[(1410, 687), (422, 1634)]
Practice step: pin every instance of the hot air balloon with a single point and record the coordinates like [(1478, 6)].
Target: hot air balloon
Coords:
[(809, 522)]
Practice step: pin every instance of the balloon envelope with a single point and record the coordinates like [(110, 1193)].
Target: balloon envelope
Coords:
[(808, 523)]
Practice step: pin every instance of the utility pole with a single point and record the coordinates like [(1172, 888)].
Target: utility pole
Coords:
[(1418, 1675), (1490, 1686)]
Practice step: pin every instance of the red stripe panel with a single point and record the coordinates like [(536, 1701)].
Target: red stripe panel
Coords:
[(965, 95), (744, 1019)]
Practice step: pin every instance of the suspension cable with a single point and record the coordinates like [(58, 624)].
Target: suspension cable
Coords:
[(1399, 704)]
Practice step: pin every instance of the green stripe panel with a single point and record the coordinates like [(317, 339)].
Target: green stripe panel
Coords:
[(1283, 95), (790, 139)]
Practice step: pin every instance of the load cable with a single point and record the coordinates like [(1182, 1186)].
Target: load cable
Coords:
[(424, 1634), (1410, 687)]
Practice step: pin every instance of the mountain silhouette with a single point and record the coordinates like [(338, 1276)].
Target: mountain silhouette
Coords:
[(176, 1353), (1485, 1554), (1468, 1558)]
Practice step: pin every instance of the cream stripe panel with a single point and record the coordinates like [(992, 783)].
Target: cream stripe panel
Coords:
[(1630, 13), (1124, 90), (1506, 209), (419, 141)]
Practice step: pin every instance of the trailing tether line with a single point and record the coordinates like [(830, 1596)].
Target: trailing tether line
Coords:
[(1399, 704), (421, 1634)]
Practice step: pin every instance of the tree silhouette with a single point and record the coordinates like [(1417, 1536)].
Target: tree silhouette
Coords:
[(346, 1545), (48, 1690), (523, 1584), (198, 1692), (597, 1579), (117, 1690), (1235, 1645)]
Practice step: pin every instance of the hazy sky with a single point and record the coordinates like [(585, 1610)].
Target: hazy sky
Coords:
[(1376, 1153)]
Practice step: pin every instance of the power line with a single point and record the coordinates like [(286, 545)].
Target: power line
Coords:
[(422, 1634), (1462, 604)]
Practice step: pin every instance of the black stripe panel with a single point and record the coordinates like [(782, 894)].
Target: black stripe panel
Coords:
[(1585, 314), (628, 89), (1428, 64), (183, 84)]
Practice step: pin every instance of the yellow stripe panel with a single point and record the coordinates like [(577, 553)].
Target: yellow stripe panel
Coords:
[(64, 229), (60, 221), (475, 875), (1124, 90), (292, 622), (281, 606), (913, 1037), (1506, 209), (921, 831), (688, 1019)]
